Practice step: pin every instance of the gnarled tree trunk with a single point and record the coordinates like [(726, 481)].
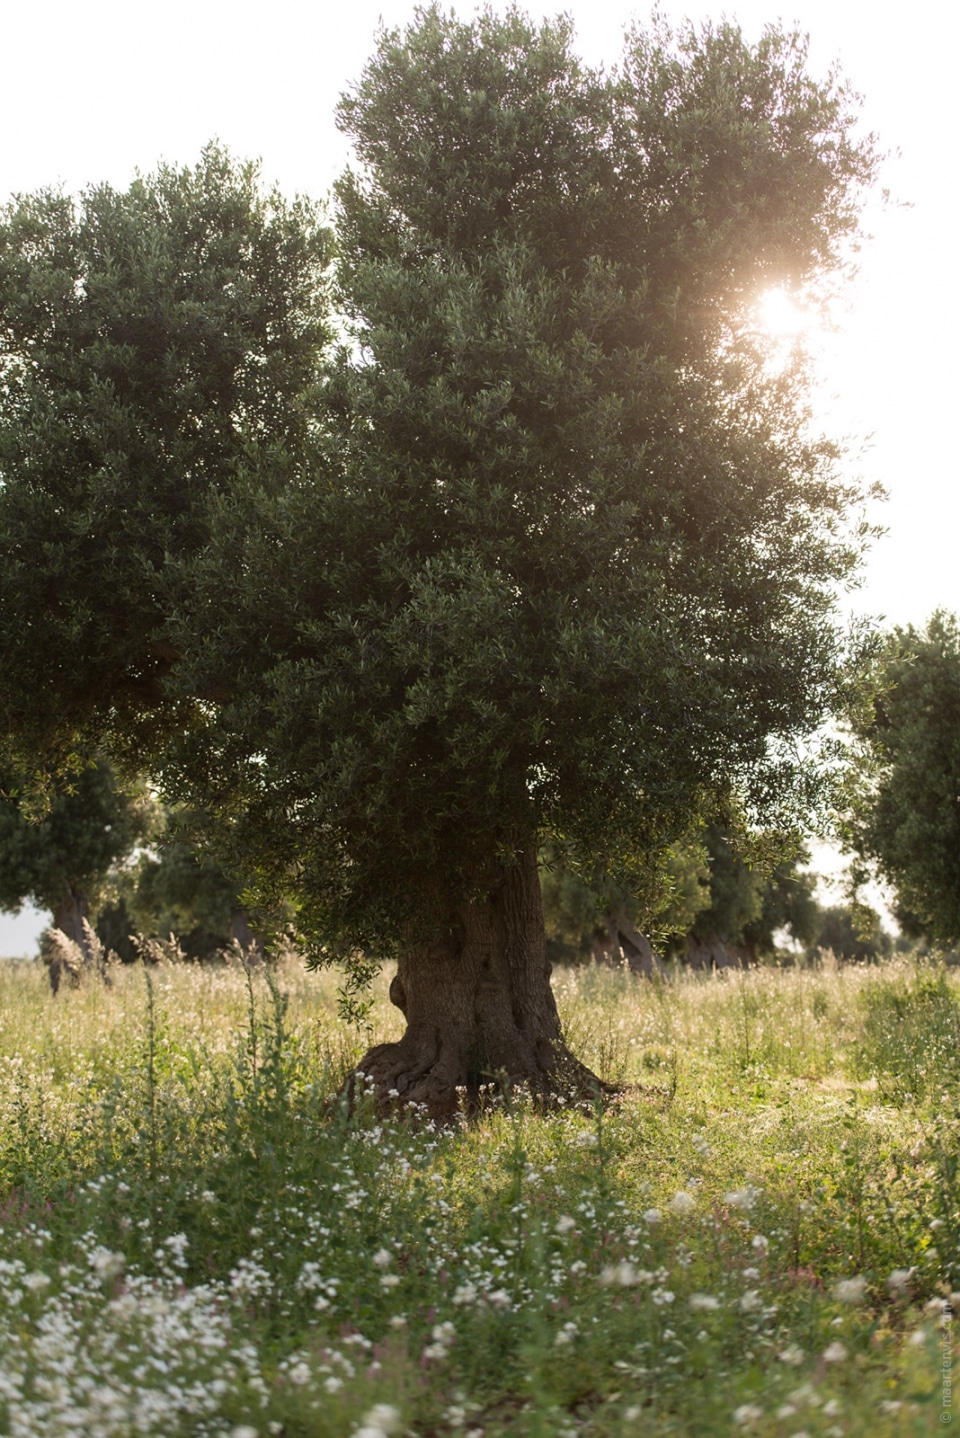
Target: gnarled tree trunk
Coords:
[(241, 932), (67, 959), (479, 1008), (712, 951), (69, 916), (623, 944)]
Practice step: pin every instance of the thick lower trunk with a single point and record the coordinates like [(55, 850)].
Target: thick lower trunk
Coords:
[(623, 944), (479, 1008), (713, 952), (69, 916), (241, 933), (67, 961)]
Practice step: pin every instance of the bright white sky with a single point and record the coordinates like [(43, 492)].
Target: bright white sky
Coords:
[(94, 89)]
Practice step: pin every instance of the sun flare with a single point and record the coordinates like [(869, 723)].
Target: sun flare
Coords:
[(781, 317)]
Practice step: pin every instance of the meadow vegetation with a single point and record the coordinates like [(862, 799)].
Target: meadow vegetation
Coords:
[(761, 1236)]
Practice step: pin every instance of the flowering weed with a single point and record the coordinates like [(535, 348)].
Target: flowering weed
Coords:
[(198, 1239)]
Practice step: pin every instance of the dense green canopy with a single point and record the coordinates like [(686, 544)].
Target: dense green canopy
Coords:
[(90, 826), (547, 548), (905, 810), (150, 340), (566, 558)]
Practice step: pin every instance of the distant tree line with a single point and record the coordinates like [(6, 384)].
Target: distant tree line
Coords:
[(717, 906), (129, 865), (119, 859)]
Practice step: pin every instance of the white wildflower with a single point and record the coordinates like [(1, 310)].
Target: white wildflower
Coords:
[(681, 1203), (443, 1335), (651, 1215), (299, 1374), (742, 1198), (249, 1279), (177, 1243), (565, 1223), (850, 1290), (310, 1277), (383, 1418), (333, 1384), (747, 1413), (703, 1302), (465, 1294), (619, 1275), (899, 1280), (834, 1353), (106, 1265), (358, 1340), (750, 1301), (792, 1355), (389, 1280), (382, 1258)]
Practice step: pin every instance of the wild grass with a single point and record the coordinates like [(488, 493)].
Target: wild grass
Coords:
[(762, 1237)]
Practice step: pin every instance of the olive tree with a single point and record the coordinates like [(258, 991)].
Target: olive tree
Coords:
[(561, 557), (904, 813), (63, 862), (153, 342)]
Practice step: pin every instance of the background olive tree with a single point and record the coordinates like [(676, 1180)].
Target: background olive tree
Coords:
[(904, 812), (63, 861), (153, 343)]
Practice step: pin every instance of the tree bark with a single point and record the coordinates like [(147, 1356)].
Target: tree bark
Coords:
[(479, 1008), (241, 931), (712, 951), (623, 944), (68, 917)]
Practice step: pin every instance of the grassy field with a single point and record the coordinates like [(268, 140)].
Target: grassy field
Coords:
[(761, 1238)]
